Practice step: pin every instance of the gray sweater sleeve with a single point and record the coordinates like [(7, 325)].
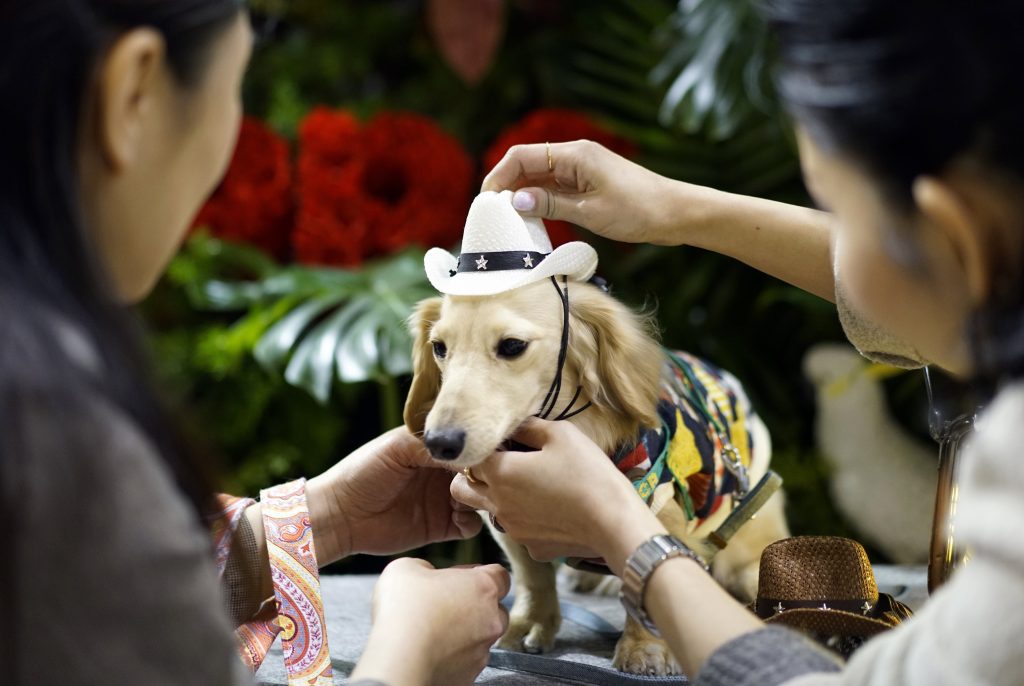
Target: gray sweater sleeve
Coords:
[(766, 657), (114, 573)]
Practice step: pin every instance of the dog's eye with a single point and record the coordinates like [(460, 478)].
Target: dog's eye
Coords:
[(440, 349), (511, 347)]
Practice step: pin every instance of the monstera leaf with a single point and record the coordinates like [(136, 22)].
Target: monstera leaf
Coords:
[(315, 325), (689, 83), (716, 66), (352, 331)]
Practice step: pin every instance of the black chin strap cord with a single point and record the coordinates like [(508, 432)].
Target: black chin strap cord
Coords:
[(548, 406)]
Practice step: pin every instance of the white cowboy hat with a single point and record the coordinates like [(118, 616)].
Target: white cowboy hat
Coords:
[(502, 250)]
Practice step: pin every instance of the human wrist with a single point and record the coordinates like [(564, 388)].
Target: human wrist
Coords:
[(679, 564), (331, 529), (381, 661), (622, 529), (640, 567)]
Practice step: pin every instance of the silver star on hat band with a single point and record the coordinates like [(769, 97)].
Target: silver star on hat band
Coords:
[(481, 263), (528, 262)]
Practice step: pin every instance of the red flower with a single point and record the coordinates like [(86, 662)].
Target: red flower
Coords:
[(328, 229), (554, 125), (253, 204), (399, 180)]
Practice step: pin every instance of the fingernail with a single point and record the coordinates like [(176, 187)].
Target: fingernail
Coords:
[(523, 201)]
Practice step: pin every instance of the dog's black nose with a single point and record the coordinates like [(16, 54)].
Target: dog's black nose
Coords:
[(445, 443)]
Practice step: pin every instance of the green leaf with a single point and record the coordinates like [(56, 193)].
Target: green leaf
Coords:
[(344, 325), (215, 294), (312, 365), (358, 353), (275, 346), (715, 67)]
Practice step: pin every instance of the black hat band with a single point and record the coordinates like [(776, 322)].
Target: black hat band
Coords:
[(511, 260)]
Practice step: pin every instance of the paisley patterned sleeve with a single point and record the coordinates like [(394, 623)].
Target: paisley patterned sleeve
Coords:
[(296, 609), (236, 556)]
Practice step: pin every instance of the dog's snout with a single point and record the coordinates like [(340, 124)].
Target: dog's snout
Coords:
[(445, 443)]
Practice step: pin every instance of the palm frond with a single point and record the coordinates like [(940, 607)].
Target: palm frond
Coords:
[(314, 326)]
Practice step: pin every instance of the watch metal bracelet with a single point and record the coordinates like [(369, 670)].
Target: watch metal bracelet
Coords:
[(639, 567)]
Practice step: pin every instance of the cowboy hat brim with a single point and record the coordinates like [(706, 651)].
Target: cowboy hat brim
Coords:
[(576, 260), (833, 622)]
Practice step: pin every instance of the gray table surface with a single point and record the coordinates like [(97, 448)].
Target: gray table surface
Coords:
[(347, 603)]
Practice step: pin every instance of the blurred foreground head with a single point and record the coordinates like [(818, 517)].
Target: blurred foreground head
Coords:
[(118, 118), (909, 117)]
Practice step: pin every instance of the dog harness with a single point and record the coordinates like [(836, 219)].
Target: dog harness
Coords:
[(702, 450)]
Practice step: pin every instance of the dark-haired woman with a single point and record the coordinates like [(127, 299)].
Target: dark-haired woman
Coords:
[(118, 118), (910, 129)]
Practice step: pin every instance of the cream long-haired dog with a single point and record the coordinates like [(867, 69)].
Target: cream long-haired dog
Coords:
[(485, 357)]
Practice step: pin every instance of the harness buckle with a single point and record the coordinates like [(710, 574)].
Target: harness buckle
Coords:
[(734, 464)]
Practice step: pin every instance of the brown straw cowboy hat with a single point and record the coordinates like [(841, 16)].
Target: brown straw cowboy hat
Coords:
[(824, 585)]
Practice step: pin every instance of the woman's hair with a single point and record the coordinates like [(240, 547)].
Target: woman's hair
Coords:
[(904, 88), (56, 305)]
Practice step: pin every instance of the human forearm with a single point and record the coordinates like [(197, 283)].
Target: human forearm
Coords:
[(788, 242), (679, 595), (587, 184)]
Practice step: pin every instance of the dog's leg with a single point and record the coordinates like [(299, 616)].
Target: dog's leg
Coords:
[(535, 617), (639, 652), (736, 567), (578, 581)]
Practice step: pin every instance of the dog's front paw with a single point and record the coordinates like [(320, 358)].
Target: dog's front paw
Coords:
[(648, 656), (531, 634)]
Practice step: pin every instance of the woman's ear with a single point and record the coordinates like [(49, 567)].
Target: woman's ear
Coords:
[(618, 358), (960, 221), (129, 84), (426, 380)]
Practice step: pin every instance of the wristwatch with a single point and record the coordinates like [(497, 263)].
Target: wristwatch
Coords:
[(639, 567)]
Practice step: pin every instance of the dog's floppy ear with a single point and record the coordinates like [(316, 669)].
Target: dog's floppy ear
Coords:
[(426, 379), (617, 355)]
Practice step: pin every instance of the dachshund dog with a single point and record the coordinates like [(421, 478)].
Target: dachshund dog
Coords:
[(484, 364)]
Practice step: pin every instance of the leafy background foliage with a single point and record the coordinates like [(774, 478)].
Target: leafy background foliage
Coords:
[(286, 369)]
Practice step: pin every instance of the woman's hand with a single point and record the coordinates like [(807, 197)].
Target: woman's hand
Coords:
[(593, 187), (566, 499), (433, 626), (386, 497)]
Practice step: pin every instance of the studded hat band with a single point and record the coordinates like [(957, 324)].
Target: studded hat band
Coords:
[(499, 261), (766, 607)]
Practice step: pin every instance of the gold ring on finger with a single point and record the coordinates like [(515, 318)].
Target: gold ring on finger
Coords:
[(468, 473), (551, 160)]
